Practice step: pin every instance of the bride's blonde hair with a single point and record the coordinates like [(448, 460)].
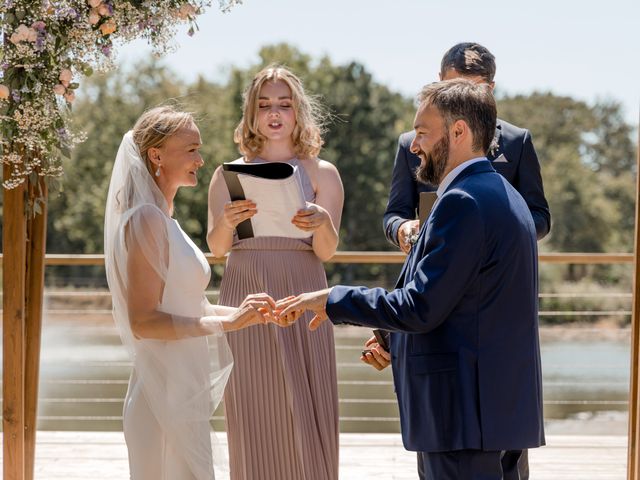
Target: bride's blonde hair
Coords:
[(155, 126), (307, 133)]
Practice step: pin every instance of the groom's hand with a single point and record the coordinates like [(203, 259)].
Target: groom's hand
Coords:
[(375, 355), (289, 310)]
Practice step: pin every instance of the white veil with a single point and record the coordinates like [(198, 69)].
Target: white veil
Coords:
[(182, 380)]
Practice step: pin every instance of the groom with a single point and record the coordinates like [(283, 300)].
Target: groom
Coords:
[(463, 316)]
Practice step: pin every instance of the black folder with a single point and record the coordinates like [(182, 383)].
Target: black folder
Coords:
[(270, 170), (427, 200)]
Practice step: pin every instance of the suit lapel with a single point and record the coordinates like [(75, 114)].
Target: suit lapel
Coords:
[(407, 269)]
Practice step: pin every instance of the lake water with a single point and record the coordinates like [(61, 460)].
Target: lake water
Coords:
[(84, 374)]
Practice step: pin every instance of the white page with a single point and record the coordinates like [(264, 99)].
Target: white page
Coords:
[(277, 202)]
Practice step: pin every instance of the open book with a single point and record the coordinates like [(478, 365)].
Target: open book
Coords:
[(276, 189)]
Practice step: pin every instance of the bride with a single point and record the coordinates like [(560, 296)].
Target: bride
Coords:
[(157, 277)]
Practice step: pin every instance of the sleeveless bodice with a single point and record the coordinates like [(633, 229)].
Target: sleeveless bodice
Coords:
[(187, 277)]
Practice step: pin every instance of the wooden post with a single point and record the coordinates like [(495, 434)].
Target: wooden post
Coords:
[(633, 454), (36, 245), (13, 304)]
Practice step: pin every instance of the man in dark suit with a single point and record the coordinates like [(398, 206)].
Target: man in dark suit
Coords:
[(463, 317), (513, 156)]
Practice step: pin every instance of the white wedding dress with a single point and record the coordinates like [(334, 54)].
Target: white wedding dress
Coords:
[(176, 384)]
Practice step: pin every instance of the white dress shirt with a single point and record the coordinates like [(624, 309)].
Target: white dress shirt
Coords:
[(451, 176)]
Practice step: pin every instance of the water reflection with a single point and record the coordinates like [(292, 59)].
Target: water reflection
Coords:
[(84, 374)]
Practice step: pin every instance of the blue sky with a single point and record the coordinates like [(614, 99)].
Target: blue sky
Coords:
[(586, 49)]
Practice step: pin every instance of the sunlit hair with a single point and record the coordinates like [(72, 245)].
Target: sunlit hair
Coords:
[(461, 99), (469, 59), (155, 126), (307, 133)]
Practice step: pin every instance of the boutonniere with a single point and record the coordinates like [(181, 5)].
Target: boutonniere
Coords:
[(493, 148)]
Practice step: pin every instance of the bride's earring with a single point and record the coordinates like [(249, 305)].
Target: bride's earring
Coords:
[(158, 171)]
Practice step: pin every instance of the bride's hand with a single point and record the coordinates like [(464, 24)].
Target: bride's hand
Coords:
[(256, 309), (311, 218), (237, 212)]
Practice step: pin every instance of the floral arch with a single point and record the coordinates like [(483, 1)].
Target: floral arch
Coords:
[(48, 46)]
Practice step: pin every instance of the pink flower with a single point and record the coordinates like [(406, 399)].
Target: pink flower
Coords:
[(65, 77), (32, 35), (70, 96), (104, 10), (94, 3), (4, 92), (39, 25), (94, 17), (186, 11), (22, 34), (59, 89), (108, 27)]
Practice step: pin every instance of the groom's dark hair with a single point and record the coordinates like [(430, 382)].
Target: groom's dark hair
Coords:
[(462, 99)]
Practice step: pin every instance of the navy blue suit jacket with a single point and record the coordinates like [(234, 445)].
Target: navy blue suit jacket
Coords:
[(463, 321), (521, 169)]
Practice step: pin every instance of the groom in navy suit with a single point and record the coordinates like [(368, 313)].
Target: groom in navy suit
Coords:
[(513, 155), (463, 316)]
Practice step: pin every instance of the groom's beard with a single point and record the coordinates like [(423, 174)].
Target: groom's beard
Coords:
[(433, 164)]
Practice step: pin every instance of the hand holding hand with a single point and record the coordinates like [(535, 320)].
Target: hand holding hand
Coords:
[(311, 218), (377, 357), (256, 309), (407, 230), (289, 310), (237, 212)]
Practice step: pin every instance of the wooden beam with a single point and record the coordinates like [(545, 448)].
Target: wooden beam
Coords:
[(371, 257), (633, 455), (36, 246), (13, 277)]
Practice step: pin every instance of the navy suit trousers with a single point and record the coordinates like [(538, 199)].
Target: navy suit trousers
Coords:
[(474, 465)]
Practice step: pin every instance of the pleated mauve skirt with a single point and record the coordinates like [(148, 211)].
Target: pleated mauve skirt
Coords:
[(281, 402)]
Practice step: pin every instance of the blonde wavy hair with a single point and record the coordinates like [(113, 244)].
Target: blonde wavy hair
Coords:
[(155, 126), (307, 134)]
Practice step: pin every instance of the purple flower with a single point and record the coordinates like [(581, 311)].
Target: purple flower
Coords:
[(106, 50), (15, 94)]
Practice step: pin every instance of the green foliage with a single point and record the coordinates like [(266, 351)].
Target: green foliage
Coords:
[(587, 154), (588, 161)]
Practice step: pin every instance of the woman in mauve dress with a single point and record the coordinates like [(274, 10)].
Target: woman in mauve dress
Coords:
[(281, 402)]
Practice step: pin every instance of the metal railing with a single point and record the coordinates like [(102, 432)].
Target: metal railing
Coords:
[(85, 370)]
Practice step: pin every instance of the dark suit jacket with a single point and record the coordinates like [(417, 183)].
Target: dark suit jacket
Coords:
[(521, 169), (463, 321)]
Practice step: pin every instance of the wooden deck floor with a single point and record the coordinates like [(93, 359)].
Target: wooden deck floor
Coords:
[(103, 455)]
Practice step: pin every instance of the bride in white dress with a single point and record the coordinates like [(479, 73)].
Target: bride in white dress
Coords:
[(157, 277)]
